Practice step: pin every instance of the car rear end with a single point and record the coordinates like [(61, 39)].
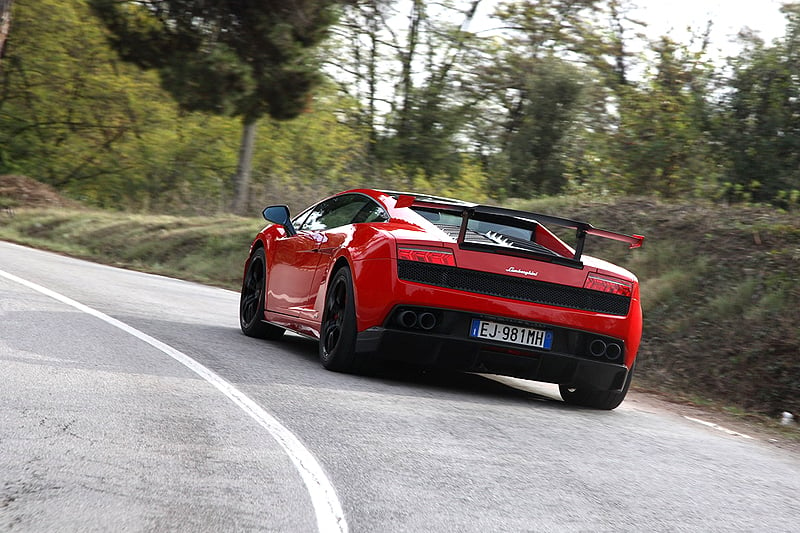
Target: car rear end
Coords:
[(494, 291)]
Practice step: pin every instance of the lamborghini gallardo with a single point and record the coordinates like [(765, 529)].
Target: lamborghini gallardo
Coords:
[(379, 275)]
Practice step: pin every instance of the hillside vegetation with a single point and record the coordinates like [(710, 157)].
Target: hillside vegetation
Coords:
[(719, 284)]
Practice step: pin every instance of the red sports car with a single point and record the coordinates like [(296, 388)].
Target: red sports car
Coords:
[(384, 275)]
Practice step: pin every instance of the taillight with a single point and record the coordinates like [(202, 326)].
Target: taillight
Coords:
[(425, 255), (596, 282)]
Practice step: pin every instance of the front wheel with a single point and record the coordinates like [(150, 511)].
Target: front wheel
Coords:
[(337, 343), (596, 399), (251, 302)]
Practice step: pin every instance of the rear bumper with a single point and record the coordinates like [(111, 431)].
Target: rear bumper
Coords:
[(380, 293), (447, 345)]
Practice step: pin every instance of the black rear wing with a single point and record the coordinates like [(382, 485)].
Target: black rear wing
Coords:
[(529, 220)]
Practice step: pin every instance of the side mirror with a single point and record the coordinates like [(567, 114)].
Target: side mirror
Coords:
[(279, 214)]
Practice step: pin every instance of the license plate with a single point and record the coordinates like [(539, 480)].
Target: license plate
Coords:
[(495, 331)]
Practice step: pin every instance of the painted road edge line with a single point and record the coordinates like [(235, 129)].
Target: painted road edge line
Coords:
[(712, 425), (328, 510)]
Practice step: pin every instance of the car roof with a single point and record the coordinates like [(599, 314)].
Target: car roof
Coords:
[(427, 198)]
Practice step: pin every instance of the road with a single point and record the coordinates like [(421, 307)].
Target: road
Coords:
[(132, 402)]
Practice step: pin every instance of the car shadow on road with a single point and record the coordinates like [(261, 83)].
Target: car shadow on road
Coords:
[(294, 360), (429, 379)]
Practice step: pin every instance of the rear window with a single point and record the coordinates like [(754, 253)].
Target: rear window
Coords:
[(446, 218)]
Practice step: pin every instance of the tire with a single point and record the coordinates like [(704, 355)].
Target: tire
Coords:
[(337, 342), (596, 399), (251, 301)]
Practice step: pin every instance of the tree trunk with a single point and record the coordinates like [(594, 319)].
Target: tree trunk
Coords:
[(241, 181), (5, 24), (407, 57)]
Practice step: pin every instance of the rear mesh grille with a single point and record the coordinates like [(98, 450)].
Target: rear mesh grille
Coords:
[(525, 290)]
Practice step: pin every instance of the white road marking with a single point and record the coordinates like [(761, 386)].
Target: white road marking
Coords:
[(329, 513), (718, 427)]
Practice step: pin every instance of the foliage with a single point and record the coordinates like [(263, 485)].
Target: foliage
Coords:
[(760, 119), (67, 106), (409, 83), (305, 158), (239, 58), (554, 102), (73, 116), (246, 59), (471, 183), (663, 138), (537, 134)]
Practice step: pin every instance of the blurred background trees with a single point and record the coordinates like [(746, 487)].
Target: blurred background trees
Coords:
[(141, 105), (5, 24), (244, 59)]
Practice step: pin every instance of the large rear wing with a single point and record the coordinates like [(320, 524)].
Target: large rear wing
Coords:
[(582, 229), (529, 220)]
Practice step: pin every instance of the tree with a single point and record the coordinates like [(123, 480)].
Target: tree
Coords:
[(5, 24), (409, 80), (760, 123), (536, 86), (247, 58), (74, 116), (355, 54), (662, 142), (535, 148)]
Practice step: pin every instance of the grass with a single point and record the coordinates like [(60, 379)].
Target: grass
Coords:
[(208, 250)]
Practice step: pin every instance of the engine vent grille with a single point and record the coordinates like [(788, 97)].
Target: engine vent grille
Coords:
[(499, 240), (513, 288)]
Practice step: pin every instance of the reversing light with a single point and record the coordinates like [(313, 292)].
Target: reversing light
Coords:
[(604, 284), (434, 257)]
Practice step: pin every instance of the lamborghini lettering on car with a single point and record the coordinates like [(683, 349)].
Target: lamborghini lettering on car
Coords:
[(379, 275)]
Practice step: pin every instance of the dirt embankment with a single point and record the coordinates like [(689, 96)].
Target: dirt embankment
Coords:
[(21, 191), (721, 298)]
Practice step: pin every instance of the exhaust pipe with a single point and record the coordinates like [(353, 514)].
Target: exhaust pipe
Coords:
[(613, 351), (427, 321), (597, 347), (407, 319)]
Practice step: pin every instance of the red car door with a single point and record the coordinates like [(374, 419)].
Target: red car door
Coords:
[(294, 264), (300, 261)]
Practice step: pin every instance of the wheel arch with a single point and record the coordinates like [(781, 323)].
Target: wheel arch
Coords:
[(341, 262), (255, 245), (258, 244), (372, 272)]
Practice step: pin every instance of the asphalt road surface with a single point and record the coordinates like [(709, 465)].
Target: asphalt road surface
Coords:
[(131, 402)]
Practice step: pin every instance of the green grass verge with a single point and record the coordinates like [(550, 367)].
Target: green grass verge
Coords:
[(209, 250)]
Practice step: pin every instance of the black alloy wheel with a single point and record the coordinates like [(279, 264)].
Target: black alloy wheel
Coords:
[(251, 302), (337, 341)]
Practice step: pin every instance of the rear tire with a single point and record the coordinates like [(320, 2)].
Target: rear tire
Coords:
[(251, 301), (337, 342), (596, 399)]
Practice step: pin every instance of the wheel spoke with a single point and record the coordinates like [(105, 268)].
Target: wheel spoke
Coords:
[(331, 337), (249, 306)]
